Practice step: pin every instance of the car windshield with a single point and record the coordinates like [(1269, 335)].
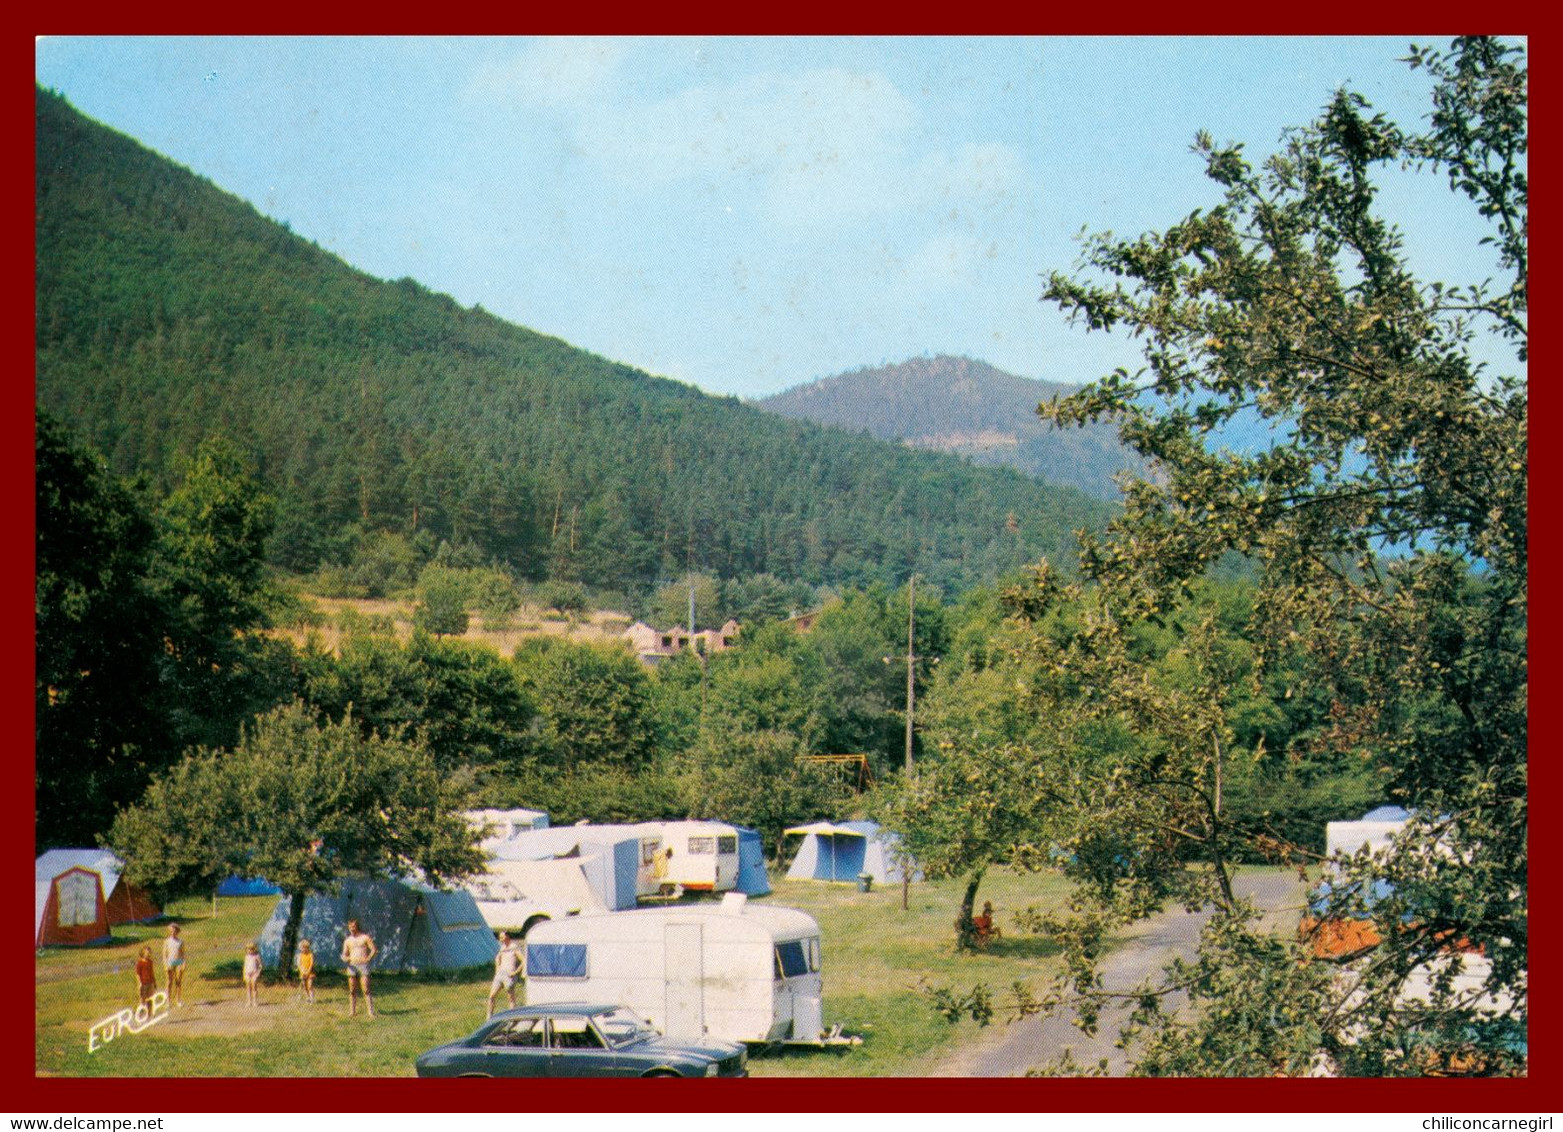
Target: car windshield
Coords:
[(622, 1027)]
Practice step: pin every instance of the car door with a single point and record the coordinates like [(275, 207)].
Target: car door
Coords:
[(515, 1049), (576, 1049)]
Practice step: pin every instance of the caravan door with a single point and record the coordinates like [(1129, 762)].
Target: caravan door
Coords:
[(684, 972)]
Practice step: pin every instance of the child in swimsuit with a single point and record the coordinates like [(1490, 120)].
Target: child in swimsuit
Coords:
[(252, 974), (306, 970)]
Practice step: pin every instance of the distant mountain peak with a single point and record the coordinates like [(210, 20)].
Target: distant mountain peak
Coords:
[(966, 407)]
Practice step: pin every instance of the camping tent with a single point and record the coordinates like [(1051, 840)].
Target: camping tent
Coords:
[(612, 857), (123, 902), (502, 825), (841, 851), (752, 877), (69, 909), (1373, 832), (247, 886), (415, 928)]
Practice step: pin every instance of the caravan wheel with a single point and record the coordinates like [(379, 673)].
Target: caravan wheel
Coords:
[(662, 1073)]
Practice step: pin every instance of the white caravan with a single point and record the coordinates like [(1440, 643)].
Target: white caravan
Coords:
[(700, 855), (734, 971)]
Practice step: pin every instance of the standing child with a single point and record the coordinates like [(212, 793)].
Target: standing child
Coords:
[(306, 970), (174, 965), (146, 976), (252, 973)]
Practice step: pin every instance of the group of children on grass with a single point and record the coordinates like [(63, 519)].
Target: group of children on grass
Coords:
[(358, 951)]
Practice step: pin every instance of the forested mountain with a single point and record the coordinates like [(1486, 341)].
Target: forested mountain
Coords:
[(168, 309), (968, 408)]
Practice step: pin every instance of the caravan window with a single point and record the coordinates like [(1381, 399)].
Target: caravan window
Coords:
[(727, 843), (556, 960), (702, 846), (791, 959), (648, 851)]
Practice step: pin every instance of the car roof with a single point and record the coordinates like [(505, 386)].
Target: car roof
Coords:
[(581, 1008)]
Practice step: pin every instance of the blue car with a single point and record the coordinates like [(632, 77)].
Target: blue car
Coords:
[(579, 1040)]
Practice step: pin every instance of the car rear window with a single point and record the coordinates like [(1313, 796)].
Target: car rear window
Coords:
[(556, 960)]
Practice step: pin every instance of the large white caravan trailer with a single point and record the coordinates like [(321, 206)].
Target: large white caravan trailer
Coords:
[(734, 970)]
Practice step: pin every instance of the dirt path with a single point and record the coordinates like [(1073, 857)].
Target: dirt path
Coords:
[(1010, 1050)]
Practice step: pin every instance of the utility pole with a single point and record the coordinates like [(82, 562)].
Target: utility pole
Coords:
[(911, 659), (911, 614)]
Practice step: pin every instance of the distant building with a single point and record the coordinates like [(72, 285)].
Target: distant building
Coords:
[(653, 646), (803, 622)]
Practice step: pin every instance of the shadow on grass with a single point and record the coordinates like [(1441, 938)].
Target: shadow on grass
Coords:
[(779, 1053), (1022, 947), (329, 978)]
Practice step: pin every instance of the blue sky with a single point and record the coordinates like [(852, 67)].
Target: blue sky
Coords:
[(742, 214)]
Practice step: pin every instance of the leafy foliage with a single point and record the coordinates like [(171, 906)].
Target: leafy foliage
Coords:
[(303, 803), (1387, 514)]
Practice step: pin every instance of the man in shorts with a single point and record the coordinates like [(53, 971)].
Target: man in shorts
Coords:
[(358, 951), (507, 967), (174, 965)]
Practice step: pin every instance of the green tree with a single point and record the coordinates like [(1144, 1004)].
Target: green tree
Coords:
[(302, 802), (209, 578), (596, 704), (442, 602), (98, 642), (463, 700), (754, 778), (1386, 512)]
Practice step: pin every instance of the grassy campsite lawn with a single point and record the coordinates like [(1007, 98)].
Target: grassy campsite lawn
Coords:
[(874, 956)]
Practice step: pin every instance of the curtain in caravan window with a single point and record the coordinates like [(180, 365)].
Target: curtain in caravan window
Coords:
[(556, 960)]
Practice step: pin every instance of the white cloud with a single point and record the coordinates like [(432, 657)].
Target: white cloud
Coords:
[(811, 149), (557, 71)]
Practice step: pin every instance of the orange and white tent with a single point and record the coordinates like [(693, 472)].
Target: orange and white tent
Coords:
[(71, 909)]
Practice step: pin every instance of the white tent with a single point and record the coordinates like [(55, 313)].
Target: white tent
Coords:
[(1375, 832), (516, 894), (841, 851), (502, 825)]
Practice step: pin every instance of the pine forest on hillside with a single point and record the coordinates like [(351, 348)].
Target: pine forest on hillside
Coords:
[(167, 309)]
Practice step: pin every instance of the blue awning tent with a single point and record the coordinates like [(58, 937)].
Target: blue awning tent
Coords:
[(415, 927), (247, 886), (842, 851), (752, 877)]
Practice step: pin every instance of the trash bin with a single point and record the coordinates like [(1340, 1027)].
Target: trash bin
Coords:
[(864, 882)]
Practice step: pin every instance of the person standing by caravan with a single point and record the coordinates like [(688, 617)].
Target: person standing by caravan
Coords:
[(358, 951), (507, 967), (174, 965)]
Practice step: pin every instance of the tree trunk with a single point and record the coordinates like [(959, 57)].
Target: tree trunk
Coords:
[(965, 930), (290, 933)]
